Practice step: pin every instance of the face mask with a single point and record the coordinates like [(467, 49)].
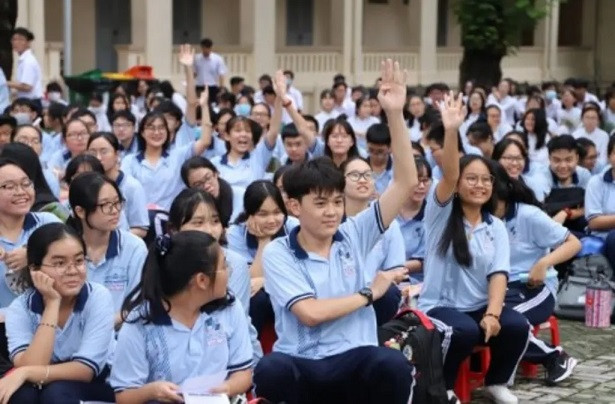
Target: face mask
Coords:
[(22, 118), (96, 110), (54, 96), (289, 82), (242, 109), (550, 95)]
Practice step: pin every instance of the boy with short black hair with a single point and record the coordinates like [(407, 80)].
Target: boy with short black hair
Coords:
[(378, 139), (7, 126), (320, 290), (480, 135)]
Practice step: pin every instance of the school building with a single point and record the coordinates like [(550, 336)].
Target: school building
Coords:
[(314, 38)]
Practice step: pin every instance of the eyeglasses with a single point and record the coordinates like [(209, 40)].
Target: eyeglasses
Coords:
[(153, 128), (62, 266), (425, 181), (11, 186), (513, 159), (29, 142), (355, 176), (339, 136), (77, 135), (108, 207), (207, 179), (473, 180), (377, 152), (126, 125), (99, 152)]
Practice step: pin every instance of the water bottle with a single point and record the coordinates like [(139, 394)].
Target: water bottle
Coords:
[(598, 296)]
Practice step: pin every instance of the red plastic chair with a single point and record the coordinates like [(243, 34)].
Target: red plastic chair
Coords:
[(268, 337), (469, 380), (531, 369)]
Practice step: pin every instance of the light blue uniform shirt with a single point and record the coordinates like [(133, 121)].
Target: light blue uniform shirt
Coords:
[(600, 198), (121, 267), (168, 350), (52, 182), (292, 275), (59, 160), (31, 222), (5, 93), (161, 182), (413, 233), (135, 209), (87, 336), (245, 244), (216, 148), (538, 184), (448, 284), (532, 233), (249, 168), (52, 142), (133, 148), (388, 253), (580, 177), (382, 180)]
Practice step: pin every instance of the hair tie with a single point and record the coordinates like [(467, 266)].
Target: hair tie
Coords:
[(163, 244)]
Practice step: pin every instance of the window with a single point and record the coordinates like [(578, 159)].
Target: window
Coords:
[(570, 23), (442, 30), (186, 21), (299, 22)]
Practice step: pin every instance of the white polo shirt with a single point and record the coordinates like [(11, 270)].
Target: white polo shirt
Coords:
[(29, 72), (209, 69)]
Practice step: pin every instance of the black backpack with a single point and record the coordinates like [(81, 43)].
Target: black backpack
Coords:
[(413, 333)]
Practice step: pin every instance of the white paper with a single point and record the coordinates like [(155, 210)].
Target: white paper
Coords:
[(206, 399), (200, 385)]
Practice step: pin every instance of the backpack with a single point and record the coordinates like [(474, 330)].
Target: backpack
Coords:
[(413, 333), (585, 269)]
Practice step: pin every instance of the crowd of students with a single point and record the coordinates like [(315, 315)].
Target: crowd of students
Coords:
[(306, 222)]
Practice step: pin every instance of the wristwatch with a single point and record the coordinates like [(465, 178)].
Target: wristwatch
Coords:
[(367, 293)]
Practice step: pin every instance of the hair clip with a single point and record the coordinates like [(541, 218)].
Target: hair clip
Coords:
[(163, 244)]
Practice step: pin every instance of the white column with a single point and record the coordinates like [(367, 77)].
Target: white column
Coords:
[(357, 44), (159, 37), (552, 62), (263, 49), (428, 42), (347, 47)]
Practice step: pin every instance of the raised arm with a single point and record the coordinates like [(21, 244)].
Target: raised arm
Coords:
[(452, 112), (302, 127), (392, 97), (186, 58), (276, 118), (206, 138)]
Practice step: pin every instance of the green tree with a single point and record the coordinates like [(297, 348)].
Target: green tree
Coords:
[(490, 30), (8, 16)]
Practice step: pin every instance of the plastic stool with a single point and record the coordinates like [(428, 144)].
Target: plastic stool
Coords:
[(268, 337), (531, 369), (469, 380)]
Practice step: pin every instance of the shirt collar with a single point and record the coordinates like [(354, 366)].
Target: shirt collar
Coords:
[(486, 217), (120, 178), (224, 158), (141, 155), (66, 155), (130, 146), (29, 221), (37, 305), (113, 249), (575, 178), (252, 242), (299, 252), (290, 162), (25, 54), (608, 176), (511, 211), (419, 216)]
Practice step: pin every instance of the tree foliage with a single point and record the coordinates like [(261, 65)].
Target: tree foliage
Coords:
[(8, 15)]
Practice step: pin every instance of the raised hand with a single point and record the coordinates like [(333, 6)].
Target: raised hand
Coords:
[(452, 111), (279, 84), (392, 94), (186, 55), (204, 99)]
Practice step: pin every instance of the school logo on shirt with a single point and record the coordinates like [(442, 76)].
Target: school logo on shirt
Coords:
[(116, 282), (348, 264), (213, 333)]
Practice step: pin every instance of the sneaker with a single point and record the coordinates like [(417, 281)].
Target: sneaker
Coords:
[(560, 368), (452, 397), (501, 394)]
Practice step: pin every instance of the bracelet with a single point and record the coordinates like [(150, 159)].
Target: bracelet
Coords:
[(40, 384), (48, 325), (497, 317), (568, 213)]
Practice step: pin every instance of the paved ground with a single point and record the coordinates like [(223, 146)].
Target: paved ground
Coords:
[(593, 380)]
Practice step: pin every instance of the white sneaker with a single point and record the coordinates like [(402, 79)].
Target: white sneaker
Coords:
[(501, 394), (452, 397)]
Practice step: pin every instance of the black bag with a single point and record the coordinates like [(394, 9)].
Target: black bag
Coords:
[(416, 337), (571, 198)]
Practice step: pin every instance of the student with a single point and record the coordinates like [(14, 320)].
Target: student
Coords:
[(537, 243), (362, 120), (494, 119), (376, 109), (84, 163), (410, 220), (435, 138), (569, 116), (7, 126), (61, 328), (114, 257), (416, 107), (195, 209), (31, 136), (342, 105), (53, 126), (123, 126), (476, 111), (600, 205), (588, 155), (590, 118), (75, 136), (340, 141), (608, 115), (105, 147), (199, 173), (512, 155), (28, 77), (182, 323), (379, 151), (534, 125), (507, 104), (263, 220), (24, 111), (564, 173), (388, 253), (117, 103), (466, 275), (479, 135), (17, 196), (327, 344)]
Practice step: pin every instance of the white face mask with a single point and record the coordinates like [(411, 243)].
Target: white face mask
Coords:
[(54, 96), (97, 110), (22, 118)]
